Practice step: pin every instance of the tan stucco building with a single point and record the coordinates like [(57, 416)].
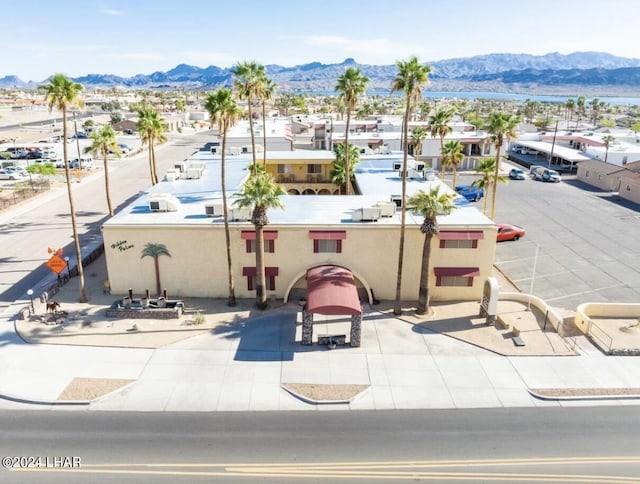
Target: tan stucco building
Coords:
[(358, 232)]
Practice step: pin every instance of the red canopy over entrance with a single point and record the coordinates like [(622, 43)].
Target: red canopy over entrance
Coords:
[(332, 290)]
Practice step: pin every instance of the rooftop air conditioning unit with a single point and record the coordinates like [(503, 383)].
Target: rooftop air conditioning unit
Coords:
[(239, 214), (366, 214), (397, 166), (214, 150), (180, 166), (397, 200), (414, 174), (429, 175), (402, 173), (171, 175), (419, 167), (387, 209), (193, 173), (213, 209), (162, 202)]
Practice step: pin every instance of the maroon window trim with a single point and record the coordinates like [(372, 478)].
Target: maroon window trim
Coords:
[(327, 234), (266, 235), (456, 271), (461, 235)]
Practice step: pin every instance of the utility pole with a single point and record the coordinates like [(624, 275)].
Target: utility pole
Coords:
[(553, 144)]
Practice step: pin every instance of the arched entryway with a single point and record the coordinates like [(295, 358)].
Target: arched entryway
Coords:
[(331, 290)]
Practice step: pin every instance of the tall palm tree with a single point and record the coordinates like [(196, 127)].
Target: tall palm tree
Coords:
[(502, 127), (249, 77), (351, 84), (339, 172), (155, 251), (608, 141), (429, 205), (266, 94), (151, 128), (417, 136), (487, 172), (570, 106), (62, 93), (440, 128), (260, 193), (103, 141), (410, 78), (452, 156), (224, 112)]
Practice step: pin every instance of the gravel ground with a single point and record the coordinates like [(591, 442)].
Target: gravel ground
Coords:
[(91, 388), (319, 392)]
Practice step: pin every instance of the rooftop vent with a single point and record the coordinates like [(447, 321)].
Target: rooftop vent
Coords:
[(213, 209), (163, 202), (239, 214)]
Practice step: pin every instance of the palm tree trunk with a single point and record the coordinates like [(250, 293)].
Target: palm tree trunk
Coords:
[(156, 266), (264, 133), (346, 152), (253, 136), (225, 211), (152, 148), (442, 167), (423, 291), (397, 309), (494, 186), (151, 165), (76, 238), (106, 181), (261, 295), (453, 180)]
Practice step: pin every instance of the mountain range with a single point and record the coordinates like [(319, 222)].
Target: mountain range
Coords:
[(594, 73)]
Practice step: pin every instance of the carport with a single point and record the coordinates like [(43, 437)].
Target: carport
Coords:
[(331, 290)]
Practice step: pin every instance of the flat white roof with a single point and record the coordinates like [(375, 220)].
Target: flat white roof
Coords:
[(375, 177)]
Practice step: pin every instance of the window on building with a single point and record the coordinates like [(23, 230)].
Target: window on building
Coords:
[(628, 188), (269, 237), (455, 276), (586, 175), (454, 281), (459, 239), (625, 159), (458, 244), (599, 177), (270, 277), (281, 169), (327, 241), (314, 169)]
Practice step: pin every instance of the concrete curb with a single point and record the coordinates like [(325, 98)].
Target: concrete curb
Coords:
[(54, 403), (586, 398), (310, 401)]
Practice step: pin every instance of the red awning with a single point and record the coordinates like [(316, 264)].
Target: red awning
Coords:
[(327, 234), (266, 235), (460, 235), (457, 271), (251, 271), (332, 290)]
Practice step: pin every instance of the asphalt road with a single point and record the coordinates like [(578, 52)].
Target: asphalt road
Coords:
[(25, 238), (590, 444), (586, 242)]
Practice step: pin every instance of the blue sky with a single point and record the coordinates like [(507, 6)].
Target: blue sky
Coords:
[(128, 37)]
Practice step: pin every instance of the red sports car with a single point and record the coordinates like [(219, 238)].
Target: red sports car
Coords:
[(509, 232)]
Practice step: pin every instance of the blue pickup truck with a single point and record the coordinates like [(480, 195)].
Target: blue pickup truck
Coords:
[(470, 192)]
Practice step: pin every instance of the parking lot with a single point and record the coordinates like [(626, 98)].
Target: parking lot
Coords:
[(586, 241)]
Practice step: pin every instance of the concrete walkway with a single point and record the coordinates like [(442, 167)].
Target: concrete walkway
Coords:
[(241, 364)]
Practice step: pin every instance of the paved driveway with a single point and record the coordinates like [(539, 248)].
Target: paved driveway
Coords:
[(586, 242)]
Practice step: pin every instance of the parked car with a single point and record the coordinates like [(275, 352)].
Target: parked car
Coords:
[(9, 174), (83, 163), (516, 174), (470, 192), (34, 155), (509, 232), (524, 151), (550, 176)]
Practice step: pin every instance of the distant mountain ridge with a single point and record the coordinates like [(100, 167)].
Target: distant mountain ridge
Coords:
[(600, 72)]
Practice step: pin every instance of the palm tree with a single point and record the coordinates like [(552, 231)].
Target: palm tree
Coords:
[(608, 141), (223, 110), (417, 136), (260, 193), (430, 205), (151, 128), (351, 84), (570, 106), (502, 127), (453, 155), (62, 93), (103, 141), (339, 172), (440, 127), (487, 172), (266, 94), (155, 251), (410, 78), (248, 81)]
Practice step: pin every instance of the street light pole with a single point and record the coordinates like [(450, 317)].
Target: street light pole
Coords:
[(66, 259), (555, 133)]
